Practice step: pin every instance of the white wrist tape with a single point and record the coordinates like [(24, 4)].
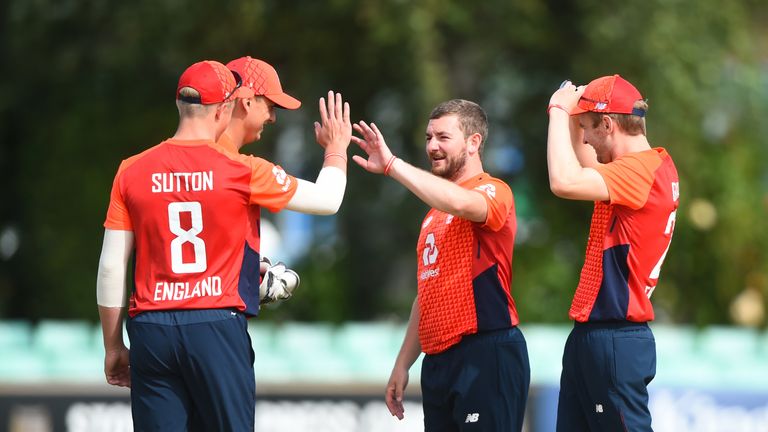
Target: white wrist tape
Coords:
[(322, 197), (110, 281)]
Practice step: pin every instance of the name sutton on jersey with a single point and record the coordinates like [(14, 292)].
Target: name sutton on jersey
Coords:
[(182, 181)]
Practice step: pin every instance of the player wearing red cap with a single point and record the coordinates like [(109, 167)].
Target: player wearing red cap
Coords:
[(597, 150), (249, 117), (475, 374), (185, 204)]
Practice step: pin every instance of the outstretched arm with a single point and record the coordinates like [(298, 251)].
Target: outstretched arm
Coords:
[(333, 132), (437, 192)]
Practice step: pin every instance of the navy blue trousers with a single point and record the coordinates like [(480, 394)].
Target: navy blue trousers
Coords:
[(191, 370), (479, 384), (606, 371)]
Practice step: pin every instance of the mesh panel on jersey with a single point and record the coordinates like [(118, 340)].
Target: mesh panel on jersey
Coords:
[(446, 301), (592, 272)]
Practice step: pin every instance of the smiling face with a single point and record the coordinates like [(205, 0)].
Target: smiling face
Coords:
[(446, 147), (262, 111)]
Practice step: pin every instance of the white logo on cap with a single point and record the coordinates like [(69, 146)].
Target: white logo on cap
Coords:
[(601, 105)]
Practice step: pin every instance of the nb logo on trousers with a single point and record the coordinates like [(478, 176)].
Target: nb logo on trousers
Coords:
[(472, 418)]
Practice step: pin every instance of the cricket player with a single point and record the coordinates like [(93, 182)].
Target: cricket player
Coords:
[(475, 374), (184, 206), (597, 150)]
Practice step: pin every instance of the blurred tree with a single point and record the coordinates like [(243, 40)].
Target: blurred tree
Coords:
[(87, 83)]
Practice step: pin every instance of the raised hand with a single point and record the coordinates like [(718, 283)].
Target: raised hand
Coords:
[(373, 145), (567, 96), (334, 130)]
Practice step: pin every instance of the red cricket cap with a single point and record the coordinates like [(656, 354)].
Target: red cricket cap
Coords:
[(609, 94), (213, 81), (262, 78)]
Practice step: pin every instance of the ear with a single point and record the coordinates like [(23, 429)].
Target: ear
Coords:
[(607, 123), (219, 110), (473, 143)]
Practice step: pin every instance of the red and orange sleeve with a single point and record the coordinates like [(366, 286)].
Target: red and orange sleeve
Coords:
[(498, 196), (117, 212), (271, 187), (629, 178)]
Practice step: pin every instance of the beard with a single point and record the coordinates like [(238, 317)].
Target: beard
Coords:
[(452, 167)]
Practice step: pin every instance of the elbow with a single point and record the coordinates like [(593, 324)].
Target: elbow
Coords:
[(565, 190), (560, 186), (328, 209), (557, 188)]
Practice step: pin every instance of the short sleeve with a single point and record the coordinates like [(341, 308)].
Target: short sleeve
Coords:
[(117, 212), (271, 187), (630, 178), (500, 202)]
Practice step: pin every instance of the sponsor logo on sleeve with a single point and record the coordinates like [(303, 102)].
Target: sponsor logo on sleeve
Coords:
[(489, 190)]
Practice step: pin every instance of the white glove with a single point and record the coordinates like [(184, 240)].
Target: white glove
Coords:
[(277, 283)]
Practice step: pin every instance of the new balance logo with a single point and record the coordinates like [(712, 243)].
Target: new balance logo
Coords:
[(472, 418), (598, 408)]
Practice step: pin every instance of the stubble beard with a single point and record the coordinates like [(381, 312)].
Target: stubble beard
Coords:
[(453, 167)]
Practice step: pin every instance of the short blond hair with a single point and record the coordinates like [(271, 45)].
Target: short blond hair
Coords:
[(629, 123), (187, 109)]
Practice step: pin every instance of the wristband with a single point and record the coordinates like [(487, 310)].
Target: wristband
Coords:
[(549, 108), (327, 155), (389, 165)]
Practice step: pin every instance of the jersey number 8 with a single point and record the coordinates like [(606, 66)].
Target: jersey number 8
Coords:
[(187, 236)]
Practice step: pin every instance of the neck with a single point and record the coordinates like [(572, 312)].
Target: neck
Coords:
[(236, 132), (472, 168), (196, 129), (631, 144)]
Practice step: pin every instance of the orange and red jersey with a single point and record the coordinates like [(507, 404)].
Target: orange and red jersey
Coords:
[(465, 269), (193, 208), (628, 239)]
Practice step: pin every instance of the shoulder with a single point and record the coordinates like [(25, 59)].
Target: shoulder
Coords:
[(491, 186), (131, 161)]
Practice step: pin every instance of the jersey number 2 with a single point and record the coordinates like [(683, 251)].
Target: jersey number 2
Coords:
[(200, 264), (657, 269)]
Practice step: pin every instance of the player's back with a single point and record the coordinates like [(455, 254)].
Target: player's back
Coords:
[(187, 203)]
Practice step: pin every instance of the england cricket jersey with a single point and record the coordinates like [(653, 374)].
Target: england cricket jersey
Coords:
[(465, 269), (191, 207), (628, 239)]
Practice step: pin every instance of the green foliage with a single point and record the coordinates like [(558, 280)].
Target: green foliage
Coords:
[(88, 83)]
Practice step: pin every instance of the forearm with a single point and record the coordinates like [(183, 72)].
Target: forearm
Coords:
[(112, 327), (561, 158), (411, 348), (439, 193), (113, 262), (323, 197), (336, 156)]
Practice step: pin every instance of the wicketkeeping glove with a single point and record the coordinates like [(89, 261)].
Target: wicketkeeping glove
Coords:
[(277, 283)]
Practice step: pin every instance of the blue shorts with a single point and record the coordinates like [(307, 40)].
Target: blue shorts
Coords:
[(606, 371), (479, 384), (191, 370)]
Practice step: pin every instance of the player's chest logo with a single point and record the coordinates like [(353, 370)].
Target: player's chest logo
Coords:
[(429, 256)]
